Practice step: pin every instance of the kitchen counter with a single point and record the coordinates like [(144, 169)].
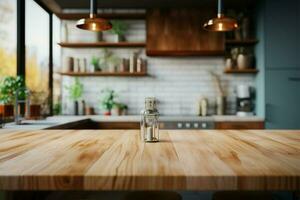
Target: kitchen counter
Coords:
[(65, 121), (136, 118), (118, 160), (50, 122)]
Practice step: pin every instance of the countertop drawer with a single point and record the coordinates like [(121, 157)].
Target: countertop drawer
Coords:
[(240, 125)]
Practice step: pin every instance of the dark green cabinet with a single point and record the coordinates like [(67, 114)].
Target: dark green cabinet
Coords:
[(283, 99), (282, 63), (282, 34), (298, 28)]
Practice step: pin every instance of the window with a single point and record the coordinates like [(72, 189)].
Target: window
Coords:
[(8, 34), (37, 52), (37, 41), (56, 61)]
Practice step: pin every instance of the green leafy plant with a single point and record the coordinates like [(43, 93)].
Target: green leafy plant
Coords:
[(96, 63), (57, 107), (107, 101), (118, 27), (75, 90), (8, 88)]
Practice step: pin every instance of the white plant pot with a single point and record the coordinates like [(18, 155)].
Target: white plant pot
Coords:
[(118, 38)]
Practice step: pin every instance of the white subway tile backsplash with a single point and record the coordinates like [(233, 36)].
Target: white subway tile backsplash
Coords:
[(177, 83)]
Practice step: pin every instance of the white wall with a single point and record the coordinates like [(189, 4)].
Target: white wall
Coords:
[(176, 82)]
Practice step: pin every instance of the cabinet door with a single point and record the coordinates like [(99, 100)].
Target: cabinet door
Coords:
[(179, 32), (298, 33), (283, 99), (239, 125), (282, 36)]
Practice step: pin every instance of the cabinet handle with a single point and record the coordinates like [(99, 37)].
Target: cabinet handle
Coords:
[(294, 78)]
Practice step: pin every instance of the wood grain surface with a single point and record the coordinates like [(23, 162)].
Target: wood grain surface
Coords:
[(179, 32), (118, 160)]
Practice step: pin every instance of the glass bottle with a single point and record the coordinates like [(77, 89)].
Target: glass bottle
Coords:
[(149, 121)]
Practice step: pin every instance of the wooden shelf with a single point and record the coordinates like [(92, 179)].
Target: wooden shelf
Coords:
[(76, 16), (101, 44), (241, 71), (135, 74), (241, 42), (184, 53)]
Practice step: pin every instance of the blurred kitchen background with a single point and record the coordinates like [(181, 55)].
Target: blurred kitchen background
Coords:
[(146, 55)]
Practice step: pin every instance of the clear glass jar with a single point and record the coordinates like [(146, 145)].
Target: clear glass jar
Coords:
[(149, 121)]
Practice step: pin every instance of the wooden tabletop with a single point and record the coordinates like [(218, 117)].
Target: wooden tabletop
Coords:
[(118, 160)]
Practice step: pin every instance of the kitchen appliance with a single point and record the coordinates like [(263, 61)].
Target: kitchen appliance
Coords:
[(244, 101), (221, 23)]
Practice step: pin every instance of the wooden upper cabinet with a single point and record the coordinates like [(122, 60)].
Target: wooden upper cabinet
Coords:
[(179, 32)]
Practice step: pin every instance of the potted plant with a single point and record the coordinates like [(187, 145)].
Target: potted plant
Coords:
[(8, 88), (38, 98), (119, 109), (95, 64), (75, 93), (118, 29), (107, 100)]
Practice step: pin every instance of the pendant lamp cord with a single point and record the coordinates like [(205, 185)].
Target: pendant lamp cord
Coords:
[(220, 7), (93, 8)]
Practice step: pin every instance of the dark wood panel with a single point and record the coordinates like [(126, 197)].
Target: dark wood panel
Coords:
[(240, 125), (179, 32), (121, 4), (241, 71), (26, 195), (118, 125), (91, 125), (241, 42), (184, 53)]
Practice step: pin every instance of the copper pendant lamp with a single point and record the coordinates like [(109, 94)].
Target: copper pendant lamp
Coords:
[(221, 23), (93, 23)]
